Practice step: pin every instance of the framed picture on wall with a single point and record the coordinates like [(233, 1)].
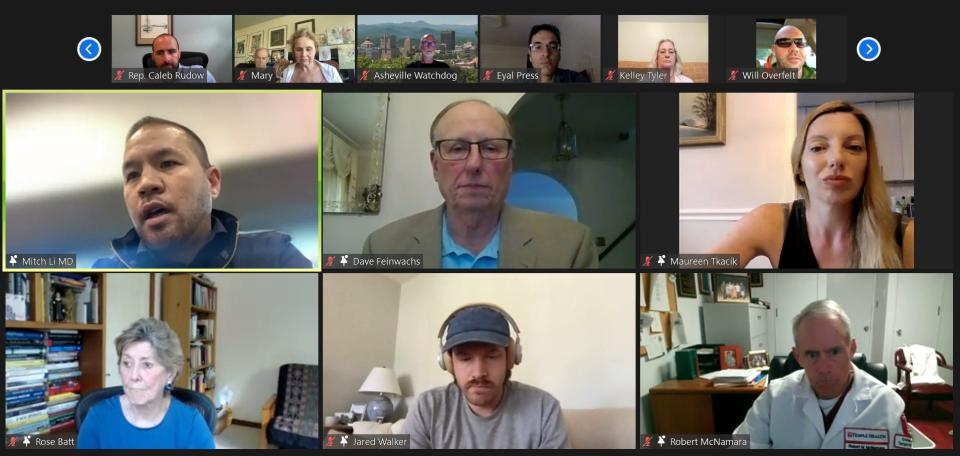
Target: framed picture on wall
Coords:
[(731, 288), (240, 46), (151, 26), (703, 279), (686, 285), (307, 24), (277, 36), (756, 279), (703, 118), (256, 41)]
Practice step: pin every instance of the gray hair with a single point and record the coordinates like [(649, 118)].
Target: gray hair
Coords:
[(824, 308), (158, 334), (444, 111)]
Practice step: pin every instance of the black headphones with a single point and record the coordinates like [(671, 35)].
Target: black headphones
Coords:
[(514, 349)]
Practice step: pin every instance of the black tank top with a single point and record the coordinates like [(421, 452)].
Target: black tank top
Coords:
[(797, 253)]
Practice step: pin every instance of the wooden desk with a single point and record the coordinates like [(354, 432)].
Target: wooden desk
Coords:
[(698, 407)]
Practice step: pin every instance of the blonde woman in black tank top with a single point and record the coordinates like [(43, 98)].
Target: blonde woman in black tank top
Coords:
[(841, 218)]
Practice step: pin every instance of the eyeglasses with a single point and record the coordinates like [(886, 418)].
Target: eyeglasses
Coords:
[(540, 47), (458, 149), (428, 44), (786, 42)]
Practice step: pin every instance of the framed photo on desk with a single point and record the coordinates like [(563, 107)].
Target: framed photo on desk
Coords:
[(730, 356)]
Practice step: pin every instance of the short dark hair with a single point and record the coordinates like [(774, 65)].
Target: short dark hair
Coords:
[(541, 27), (200, 150), (153, 49)]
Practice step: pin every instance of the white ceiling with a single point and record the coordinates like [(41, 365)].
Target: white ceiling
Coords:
[(60, 142)]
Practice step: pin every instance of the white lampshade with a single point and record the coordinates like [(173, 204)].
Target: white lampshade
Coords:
[(381, 380)]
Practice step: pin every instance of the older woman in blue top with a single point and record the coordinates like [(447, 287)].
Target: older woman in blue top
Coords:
[(146, 415)]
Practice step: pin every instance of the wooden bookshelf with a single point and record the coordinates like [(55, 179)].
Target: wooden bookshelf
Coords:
[(93, 342), (177, 310)]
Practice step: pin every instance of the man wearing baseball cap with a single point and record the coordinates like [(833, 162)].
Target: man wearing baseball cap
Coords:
[(482, 408)]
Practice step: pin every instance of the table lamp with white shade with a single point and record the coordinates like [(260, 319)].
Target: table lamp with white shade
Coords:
[(382, 381)]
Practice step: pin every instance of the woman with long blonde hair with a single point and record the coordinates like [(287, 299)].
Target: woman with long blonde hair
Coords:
[(842, 217), (666, 57)]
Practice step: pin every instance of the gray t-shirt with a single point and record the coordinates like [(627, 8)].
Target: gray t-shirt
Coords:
[(528, 417)]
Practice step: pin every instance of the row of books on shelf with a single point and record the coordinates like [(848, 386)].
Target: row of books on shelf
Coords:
[(201, 328), (202, 380), (64, 297), (201, 354), (42, 371), (204, 297)]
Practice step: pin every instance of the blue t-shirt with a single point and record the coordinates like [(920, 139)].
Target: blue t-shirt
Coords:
[(455, 256), (182, 427)]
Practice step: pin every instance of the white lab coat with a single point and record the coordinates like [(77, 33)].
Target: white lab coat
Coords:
[(787, 415)]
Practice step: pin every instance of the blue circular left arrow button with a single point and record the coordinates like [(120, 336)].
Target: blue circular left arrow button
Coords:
[(89, 49)]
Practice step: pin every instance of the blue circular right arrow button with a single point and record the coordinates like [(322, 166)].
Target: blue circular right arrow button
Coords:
[(868, 49)]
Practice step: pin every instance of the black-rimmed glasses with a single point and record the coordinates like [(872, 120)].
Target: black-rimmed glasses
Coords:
[(458, 149)]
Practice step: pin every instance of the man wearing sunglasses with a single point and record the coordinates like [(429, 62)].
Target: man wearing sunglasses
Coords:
[(788, 51), (472, 159), (428, 48)]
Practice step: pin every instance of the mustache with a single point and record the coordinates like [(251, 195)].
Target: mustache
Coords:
[(482, 381)]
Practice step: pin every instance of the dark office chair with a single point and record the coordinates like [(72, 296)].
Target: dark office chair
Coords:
[(781, 366), (187, 58), (202, 403)]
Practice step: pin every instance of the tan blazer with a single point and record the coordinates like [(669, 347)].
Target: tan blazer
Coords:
[(528, 239)]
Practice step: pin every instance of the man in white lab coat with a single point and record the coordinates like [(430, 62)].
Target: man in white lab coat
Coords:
[(830, 403)]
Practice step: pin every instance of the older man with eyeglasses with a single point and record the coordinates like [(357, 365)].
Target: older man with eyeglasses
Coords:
[(472, 159), (428, 49), (789, 51)]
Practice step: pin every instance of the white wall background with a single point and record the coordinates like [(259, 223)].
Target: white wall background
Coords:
[(569, 323), (127, 300), (352, 302), (721, 183), (637, 37), (263, 322), (198, 33), (408, 185)]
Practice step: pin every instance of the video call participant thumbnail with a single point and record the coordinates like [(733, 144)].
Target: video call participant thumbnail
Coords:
[(788, 52), (166, 56), (543, 55), (146, 415), (428, 48), (843, 218), (667, 57), (474, 227), (305, 67), (169, 186), (482, 407), (817, 406)]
